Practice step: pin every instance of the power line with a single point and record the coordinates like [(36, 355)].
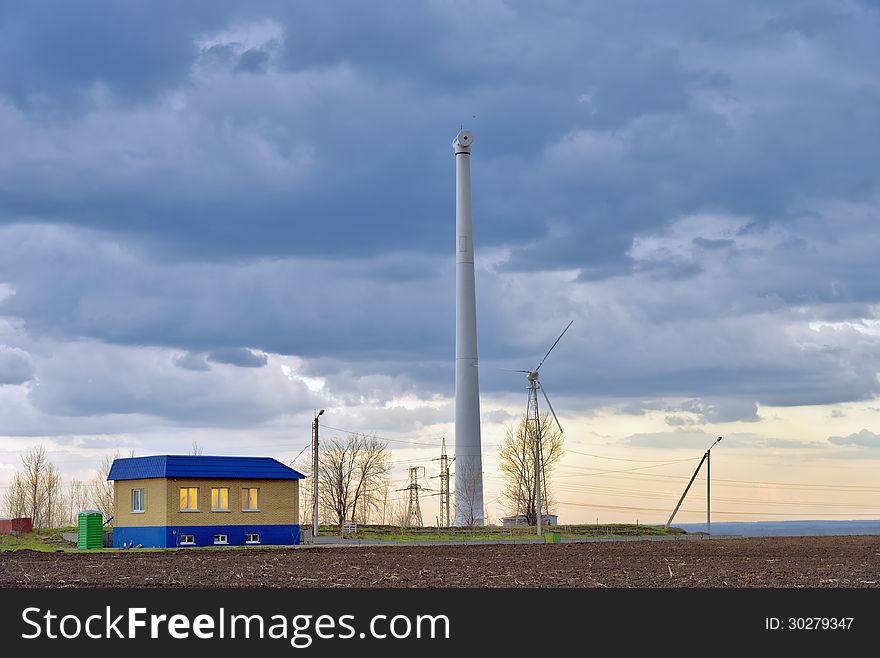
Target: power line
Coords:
[(604, 491), (622, 459), (850, 487), (730, 482), (305, 447), (411, 461), (624, 470), (385, 438), (750, 483), (657, 509), (858, 488)]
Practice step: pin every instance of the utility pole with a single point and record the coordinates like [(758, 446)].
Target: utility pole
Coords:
[(709, 491), (444, 486), (687, 488), (315, 474)]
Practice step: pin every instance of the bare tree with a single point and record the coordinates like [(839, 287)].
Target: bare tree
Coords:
[(76, 500), (196, 449), (370, 505), (517, 457), (371, 470), (382, 502), (350, 473), (398, 513), (34, 463), (303, 464), (53, 496), (103, 490), (36, 490), (16, 497), (467, 482)]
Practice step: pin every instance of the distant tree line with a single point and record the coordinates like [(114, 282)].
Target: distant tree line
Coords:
[(39, 492), (353, 482)]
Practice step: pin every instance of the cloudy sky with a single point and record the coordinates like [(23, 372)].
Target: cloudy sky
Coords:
[(217, 217)]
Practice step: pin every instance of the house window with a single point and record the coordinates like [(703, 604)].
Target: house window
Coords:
[(189, 499), (250, 499), (187, 540), (252, 538), (220, 499), (138, 501), (221, 539)]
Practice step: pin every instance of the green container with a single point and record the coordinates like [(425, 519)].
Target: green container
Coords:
[(552, 537), (90, 529)]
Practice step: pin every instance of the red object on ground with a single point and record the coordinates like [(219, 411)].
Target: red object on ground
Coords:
[(16, 526)]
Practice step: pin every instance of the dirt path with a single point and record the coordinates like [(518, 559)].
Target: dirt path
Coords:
[(758, 562)]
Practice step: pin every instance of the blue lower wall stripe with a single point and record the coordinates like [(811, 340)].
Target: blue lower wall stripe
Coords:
[(169, 536)]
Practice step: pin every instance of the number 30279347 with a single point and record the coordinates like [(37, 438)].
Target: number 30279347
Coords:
[(808, 623)]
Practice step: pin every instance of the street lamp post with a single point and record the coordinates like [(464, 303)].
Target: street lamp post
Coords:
[(315, 474)]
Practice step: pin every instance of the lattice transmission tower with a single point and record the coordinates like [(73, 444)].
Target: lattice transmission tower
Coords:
[(445, 517), (413, 510)]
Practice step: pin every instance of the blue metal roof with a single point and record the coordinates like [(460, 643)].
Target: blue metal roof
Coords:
[(188, 466)]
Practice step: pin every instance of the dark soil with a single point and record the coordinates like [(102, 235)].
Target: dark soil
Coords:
[(759, 562)]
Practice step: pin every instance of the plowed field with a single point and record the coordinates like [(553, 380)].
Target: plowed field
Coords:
[(759, 562)]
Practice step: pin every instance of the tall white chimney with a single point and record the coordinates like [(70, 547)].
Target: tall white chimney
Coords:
[(468, 451)]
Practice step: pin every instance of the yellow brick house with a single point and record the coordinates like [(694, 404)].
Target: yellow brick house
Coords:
[(171, 501)]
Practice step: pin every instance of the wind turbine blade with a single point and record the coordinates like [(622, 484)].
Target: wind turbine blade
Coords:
[(551, 409), (554, 345)]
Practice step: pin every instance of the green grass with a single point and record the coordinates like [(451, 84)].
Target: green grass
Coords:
[(49, 539), (42, 539), (495, 533)]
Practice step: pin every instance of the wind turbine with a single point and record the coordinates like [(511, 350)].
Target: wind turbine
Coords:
[(532, 414)]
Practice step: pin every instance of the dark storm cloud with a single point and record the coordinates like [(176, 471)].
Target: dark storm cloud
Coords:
[(92, 379), (59, 50), (16, 366), (121, 294), (253, 61), (638, 336), (695, 184), (603, 121), (197, 361), (241, 357)]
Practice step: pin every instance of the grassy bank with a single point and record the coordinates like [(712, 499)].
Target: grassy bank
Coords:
[(394, 533), (49, 539), (42, 539)]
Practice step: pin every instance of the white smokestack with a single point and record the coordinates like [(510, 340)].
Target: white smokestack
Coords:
[(468, 450)]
